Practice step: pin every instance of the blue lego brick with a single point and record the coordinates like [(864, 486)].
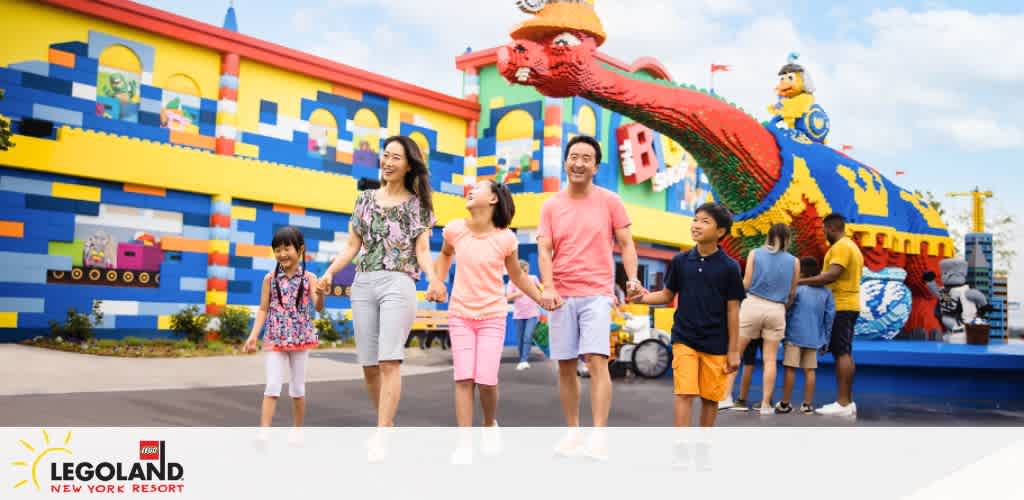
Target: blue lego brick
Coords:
[(151, 92), (137, 322), (79, 49), (268, 118), (269, 107), (37, 320), (23, 185), (147, 118), (10, 201), (244, 225), (240, 287), (57, 115), (240, 262), (360, 172), (208, 116), (62, 73), (46, 83), (333, 100), (370, 99), (209, 105), (10, 77), (87, 65), (310, 233), (193, 219), (151, 133), (35, 246), (208, 129), (61, 205), (36, 68), (15, 110), (192, 284), (23, 304)]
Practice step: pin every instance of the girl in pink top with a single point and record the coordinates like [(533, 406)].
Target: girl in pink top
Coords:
[(484, 249)]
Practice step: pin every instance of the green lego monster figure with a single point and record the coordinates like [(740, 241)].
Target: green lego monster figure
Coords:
[(120, 87)]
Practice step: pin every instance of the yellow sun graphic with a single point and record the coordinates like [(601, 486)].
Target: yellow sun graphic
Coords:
[(46, 450)]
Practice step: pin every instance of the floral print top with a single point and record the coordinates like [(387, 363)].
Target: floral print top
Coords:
[(290, 328), (389, 234)]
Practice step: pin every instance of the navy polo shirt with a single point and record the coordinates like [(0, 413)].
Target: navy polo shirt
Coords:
[(704, 285)]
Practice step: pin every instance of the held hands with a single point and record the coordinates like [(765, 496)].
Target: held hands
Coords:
[(437, 292), (550, 299), (325, 282)]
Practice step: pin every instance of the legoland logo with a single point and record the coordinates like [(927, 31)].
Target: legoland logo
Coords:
[(153, 473)]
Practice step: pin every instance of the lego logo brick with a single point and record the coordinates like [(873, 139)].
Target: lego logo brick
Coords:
[(149, 450)]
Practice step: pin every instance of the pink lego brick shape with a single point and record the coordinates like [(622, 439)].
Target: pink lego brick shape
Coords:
[(139, 257)]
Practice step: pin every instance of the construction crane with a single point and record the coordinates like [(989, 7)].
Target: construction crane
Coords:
[(978, 215)]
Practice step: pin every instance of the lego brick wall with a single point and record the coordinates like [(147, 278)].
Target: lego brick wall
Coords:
[(67, 242)]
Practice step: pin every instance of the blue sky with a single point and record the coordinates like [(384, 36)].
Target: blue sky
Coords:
[(927, 87)]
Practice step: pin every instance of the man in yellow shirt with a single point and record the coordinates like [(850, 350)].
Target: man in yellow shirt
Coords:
[(844, 265)]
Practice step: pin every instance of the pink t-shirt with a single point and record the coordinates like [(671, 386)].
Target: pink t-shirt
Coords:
[(478, 292), (581, 232), (524, 307)]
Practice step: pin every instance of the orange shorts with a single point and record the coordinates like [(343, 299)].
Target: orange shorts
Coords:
[(696, 373)]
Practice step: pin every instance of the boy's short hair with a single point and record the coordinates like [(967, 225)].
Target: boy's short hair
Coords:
[(718, 212), (809, 266), (835, 220)]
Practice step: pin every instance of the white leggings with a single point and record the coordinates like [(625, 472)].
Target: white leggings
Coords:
[(295, 362)]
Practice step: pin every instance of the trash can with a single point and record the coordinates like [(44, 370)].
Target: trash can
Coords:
[(977, 334)]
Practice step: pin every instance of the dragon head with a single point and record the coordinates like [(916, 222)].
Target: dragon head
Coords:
[(554, 50)]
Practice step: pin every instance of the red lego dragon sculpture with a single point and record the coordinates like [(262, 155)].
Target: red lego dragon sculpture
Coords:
[(746, 161)]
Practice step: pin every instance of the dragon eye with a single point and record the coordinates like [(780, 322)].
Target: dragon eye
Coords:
[(566, 40)]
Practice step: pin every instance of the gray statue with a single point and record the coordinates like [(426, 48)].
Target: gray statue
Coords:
[(959, 304)]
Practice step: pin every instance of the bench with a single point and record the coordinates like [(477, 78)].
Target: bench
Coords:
[(428, 327)]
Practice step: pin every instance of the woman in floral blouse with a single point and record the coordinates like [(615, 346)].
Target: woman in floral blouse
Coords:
[(390, 231)]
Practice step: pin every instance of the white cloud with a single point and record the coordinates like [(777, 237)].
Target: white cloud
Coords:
[(975, 134)]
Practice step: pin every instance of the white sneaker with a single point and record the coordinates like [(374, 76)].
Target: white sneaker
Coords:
[(490, 443), (463, 455), (571, 445), (597, 446), (837, 410), (296, 437), (377, 446), (766, 410), (522, 366), (726, 403)]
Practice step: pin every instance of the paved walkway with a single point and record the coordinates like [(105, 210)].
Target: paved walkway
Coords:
[(34, 370)]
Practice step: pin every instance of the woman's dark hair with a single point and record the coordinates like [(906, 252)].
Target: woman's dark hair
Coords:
[(779, 237), (285, 236), (417, 179), (721, 215), (505, 209)]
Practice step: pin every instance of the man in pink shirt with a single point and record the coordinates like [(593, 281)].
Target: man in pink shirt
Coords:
[(575, 241)]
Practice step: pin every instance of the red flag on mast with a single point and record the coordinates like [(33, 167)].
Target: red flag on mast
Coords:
[(719, 67)]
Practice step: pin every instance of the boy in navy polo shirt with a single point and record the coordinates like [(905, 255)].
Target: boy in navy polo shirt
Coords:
[(706, 324)]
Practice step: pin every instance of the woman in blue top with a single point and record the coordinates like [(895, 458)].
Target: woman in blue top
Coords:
[(770, 279)]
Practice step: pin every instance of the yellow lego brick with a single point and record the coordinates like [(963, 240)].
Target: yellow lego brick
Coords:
[(250, 150), (497, 102), (243, 213), (217, 298), (219, 246), (163, 322), (75, 192), (8, 319)]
